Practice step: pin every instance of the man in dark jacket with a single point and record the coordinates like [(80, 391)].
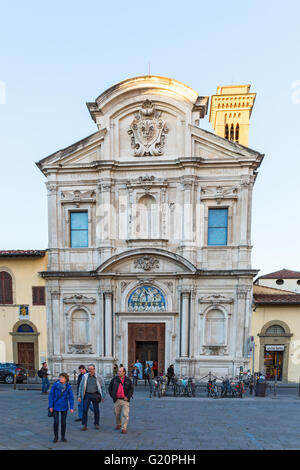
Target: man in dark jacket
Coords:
[(43, 373), (82, 371), (121, 391), (170, 374)]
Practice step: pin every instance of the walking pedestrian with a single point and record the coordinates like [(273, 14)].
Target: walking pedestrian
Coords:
[(121, 391), (170, 374), (155, 368), (147, 374), (135, 374), (43, 374), (91, 389), (60, 397), (139, 367), (82, 370)]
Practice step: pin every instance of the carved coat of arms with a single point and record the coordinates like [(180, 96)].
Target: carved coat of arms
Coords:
[(146, 263), (148, 131)]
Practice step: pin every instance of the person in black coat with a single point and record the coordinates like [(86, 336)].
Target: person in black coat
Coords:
[(121, 390), (82, 370), (170, 374)]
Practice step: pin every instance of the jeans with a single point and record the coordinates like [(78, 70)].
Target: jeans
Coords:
[(135, 379), (147, 379), (80, 409), (63, 423), (45, 384), (88, 398)]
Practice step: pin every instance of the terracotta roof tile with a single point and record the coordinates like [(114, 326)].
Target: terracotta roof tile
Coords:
[(282, 274), (22, 253), (292, 299)]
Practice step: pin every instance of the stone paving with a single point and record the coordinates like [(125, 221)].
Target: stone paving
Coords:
[(167, 423)]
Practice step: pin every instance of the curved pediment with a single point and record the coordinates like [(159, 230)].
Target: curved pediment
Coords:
[(144, 260)]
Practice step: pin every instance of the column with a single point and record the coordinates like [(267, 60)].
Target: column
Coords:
[(55, 324), (185, 324), (108, 323)]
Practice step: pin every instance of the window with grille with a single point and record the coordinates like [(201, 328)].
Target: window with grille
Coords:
[(6, 296), (217, 226), (275, 330), (79, 229), (38, 295)]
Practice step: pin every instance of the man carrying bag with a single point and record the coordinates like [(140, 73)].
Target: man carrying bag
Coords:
[(91, 389)]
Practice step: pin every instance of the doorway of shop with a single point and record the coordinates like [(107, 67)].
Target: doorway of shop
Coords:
[(273, 360)]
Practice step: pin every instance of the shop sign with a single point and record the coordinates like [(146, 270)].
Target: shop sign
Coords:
[(274, 347)]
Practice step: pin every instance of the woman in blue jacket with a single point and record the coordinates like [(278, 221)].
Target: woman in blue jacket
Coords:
[(60, 396)]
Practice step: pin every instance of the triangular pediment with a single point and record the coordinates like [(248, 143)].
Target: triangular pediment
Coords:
[(208, 147), (82, 152)]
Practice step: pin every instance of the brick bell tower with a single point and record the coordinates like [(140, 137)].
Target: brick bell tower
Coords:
[(230, 112)]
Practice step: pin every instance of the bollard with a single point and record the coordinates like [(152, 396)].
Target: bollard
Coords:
[(15, 381), (27, 376)]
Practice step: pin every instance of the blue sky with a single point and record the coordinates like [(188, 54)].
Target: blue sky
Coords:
[(55, 56)]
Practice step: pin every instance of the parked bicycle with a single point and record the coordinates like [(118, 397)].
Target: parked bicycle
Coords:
[(212, 389)]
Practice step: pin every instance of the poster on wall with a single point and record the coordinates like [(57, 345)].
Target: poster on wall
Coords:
[(23, 312)]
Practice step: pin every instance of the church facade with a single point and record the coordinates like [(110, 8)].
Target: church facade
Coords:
[(150, 232)]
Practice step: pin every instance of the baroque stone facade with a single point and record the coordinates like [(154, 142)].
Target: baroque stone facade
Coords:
[(146, 180)]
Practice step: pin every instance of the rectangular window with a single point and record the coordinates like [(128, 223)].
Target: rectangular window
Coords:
[(217, 227), (79, 229), (38, 295)]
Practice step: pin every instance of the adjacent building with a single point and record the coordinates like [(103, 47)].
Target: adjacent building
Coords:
[(276, 325), (23, 335), (150, 232)]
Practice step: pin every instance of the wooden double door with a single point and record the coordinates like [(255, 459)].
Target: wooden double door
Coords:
[(26, 355), (146, 342)]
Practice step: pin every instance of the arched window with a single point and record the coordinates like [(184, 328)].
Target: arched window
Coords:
[(146, 299), (147, 217), (226, 132), (237, 132), (80, 327), (6, 296), (215, 328), (275, 330), (24, 328)]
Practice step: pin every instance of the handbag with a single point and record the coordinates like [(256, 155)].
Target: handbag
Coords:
[(50, 413), (98, 397)]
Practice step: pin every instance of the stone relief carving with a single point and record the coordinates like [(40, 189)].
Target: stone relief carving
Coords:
[(124, 284), (148, 131), (214, 350), (80, 349), (77, 197), (146, 263), (79, 299), (219, 193), (216, 299)]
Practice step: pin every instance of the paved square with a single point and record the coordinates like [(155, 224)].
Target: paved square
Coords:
[(165, 423)]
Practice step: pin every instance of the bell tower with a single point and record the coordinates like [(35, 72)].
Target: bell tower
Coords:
[(230, 112)]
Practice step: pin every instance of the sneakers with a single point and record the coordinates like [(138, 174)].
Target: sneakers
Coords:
[(117, 428), (124, 431), (63, 439), (97, 426), (84, 428), (55, 439)]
